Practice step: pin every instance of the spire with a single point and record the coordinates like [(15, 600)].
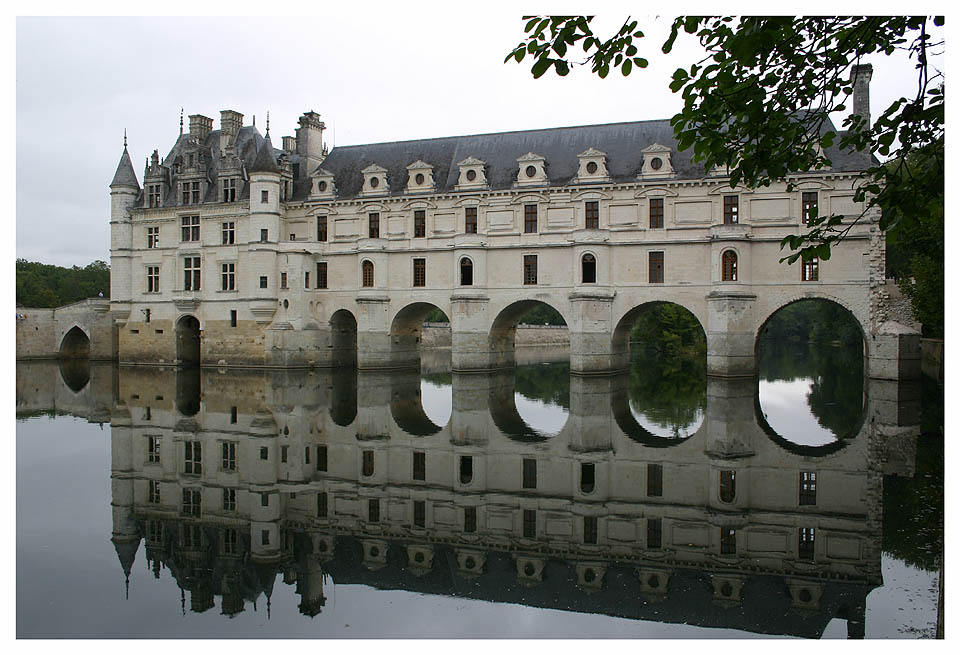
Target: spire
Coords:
[(268, 124), (125, 175), (265, 161), (181, 121), (127, 553)]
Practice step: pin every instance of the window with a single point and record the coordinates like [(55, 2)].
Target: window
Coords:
[(153, 196), (656, 268), (728, 486), (321, 458), (529, 474), (230, 189), (469, 519), (233, 414), (263, 281), (306, 280), (321, 228), (228, 277), (264, 452), (233, 323), (264, 500), (191, 502), (154, 531), (264, 235), (728, 541), (530, 523), (322, 505), (192, 537), (229, 455), (654, 534), (529, 218), (189, 228), (368, 463), (466, 469), (373, 510), (728, 266), (470, 220), (588, 269), (731, 210), (191, 273), (588, 477), (227, 233), (592, 215), (811, 270), (655, 480), (229, 499), (321, 275), (231, 541), (805, 547), (306, 454), (153, 279), (264, 196), (367, 273), (808, 488), (419, 272), (529, 269), (264, 534), (419, 513), (589, 529), (153, 237), (153, 449), (192, 457), (154, 492), (810, 201), (419, 466), (190, 192), (373, 222), (283, 454), (419, 223), (466, 272), (656, 213), (283, 280)]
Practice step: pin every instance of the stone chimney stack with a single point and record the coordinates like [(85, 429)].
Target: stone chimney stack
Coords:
[(310, 141), (230, 124), (200, 126), (289, 144), (860, 75)]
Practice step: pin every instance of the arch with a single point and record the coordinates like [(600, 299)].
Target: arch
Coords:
[(75, 344), (466, 272), (343, 338), (814, 295), (187, 330), (588, 268), (406, 330), (621, 333), (728, 265), (503, 331), (366, 274)]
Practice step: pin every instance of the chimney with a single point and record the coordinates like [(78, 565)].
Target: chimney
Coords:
[(290, 144), (860, 76), (230, 124), (200, 126), (310, 141)]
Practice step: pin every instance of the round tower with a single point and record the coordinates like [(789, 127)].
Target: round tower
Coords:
[(124, 192)]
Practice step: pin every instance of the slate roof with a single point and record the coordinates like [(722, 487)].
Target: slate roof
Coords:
[(266, 161), (622, 142), (125, 174)]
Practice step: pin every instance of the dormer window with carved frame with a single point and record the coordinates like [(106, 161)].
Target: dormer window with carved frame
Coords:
[(420, 177), (190, 192), (472, 174), (656, 162), (593, 167), (532, 170), (229, 185), (322, 185), (153, 195), (375, 181)]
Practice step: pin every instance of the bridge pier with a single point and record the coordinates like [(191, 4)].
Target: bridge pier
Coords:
[(731, 330), (593, 348)]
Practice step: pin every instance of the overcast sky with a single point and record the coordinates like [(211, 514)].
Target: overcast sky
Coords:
[(372, 76)]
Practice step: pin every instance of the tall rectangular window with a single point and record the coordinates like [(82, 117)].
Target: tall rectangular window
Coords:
[(192, 457), (655, 273), (419, 272), (529, 474), (529, 269), (529, 218), (466, 469), (419, 465), (229, 189), (231, 541), (321, 275), (592, 215), (470, 220), (589, 529), (228, 277), (810, 202), (419, 223), (321, 228), (233, 414), (153, 193), (419, 513), (153, 237), (229, 499), (153, 449), (373, 225), (373, 510), (233, 323), (656, 212), (367, 463), (728, 541), (808, 487), (469, 519), (728, 485), (654, 532), (805, 548), (306, 280), (153, 279), (190, 192), (229, 455), (227, 233), (154, 492), (731, 210), (530, 523), (264, 196), (283, 453), (263, 281), (321, 458), (283, 280), (264, 235), (655, 480), (322, 505), (191, 502), (811, 270), (189, 228), (191, 273)]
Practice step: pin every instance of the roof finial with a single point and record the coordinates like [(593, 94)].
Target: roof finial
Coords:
[(124, 138), (268, 123), (181, 120), (254, 120)]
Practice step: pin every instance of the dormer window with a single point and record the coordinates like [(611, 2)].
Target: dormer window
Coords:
[(656, 161), (374, 180), (190, 192), (419, 177), (533, 170), (593, 167), (153, 195), (230, 189), (472, 174), (322, 185)]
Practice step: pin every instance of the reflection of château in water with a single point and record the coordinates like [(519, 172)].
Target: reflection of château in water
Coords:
[(327, 473)]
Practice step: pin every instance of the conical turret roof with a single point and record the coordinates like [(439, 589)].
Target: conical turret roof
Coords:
[(265, 161), (125, 175)]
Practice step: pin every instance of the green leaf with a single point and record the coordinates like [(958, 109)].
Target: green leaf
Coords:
[(540, 67), (627, 66)]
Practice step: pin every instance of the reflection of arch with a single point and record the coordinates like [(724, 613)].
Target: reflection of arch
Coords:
[(75, 373), (627, 422), (188, 391), (503, 410), (75, 344), (343, 339), (803, 449), (188, 340), (343, 397), (406, 405), (503, 331)]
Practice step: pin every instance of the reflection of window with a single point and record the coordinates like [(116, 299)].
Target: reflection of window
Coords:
[(808, 488), (229, 455), (264, 452), (587, 477), (589, 529), (529, 474), (654, 479), (264, 500), (321, 458), (367, 463), (264, 534), (153, 450), (805, 547), (728, 541), (728, 486), (419, 466), (322, 504), (229, 499), (469, 519), (729, 266), (191, 457), (231, 541), (466, 469), (419, 513), (373, 510), (654, 529), (154, 495), (191, 502), (530, 523)]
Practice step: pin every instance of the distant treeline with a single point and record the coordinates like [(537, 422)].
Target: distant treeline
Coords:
[(813, 321), (46, 285)]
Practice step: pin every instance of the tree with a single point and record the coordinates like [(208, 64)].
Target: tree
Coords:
[(46, 285), (759, 102)]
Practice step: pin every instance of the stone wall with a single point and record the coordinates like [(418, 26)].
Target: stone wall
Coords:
[(36, 338), (437, 335), (41, 331)]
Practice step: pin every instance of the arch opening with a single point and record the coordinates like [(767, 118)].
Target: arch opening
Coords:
[(811, 371), (75, 344), (188, 341), (343, 339), (406, 333), (541, 319)]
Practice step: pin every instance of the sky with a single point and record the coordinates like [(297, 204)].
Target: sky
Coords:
[(384, 75)]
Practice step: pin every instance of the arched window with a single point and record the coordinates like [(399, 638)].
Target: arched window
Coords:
[(588, 266), (729, 266), (728, 486), (466, 272), (367, 273)]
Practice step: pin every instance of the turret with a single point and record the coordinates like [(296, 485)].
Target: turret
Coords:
[(124, 191)]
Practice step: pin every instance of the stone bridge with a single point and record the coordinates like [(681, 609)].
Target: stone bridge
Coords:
[(84, 330)]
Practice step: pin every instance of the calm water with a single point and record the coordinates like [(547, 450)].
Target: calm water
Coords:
[(658, 503)]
